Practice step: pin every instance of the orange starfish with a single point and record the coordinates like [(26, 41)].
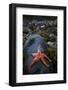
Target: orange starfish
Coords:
[(40, 56)]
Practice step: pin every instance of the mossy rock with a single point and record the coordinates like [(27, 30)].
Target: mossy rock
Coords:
[(52, 54), (45, 35)]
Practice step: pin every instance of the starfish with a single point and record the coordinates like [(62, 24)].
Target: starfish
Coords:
[(40, 56)]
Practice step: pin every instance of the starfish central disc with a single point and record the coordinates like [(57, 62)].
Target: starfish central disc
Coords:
[(40, 56)]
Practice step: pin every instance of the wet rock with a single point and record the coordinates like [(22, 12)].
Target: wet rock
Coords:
[(53, 37), (31, 46), (52, 44), (33, 43)]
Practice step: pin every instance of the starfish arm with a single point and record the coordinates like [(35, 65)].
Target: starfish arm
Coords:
[(43, 61), (36, 59), (38, 50), (47, 57), (32, 64)]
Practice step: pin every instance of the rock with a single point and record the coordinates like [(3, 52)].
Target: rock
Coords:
[(31, 46), (52, 44), (53, 37), (33, 42)]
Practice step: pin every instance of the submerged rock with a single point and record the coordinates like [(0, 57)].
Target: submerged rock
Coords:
[(31, 46), (33, 43)]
